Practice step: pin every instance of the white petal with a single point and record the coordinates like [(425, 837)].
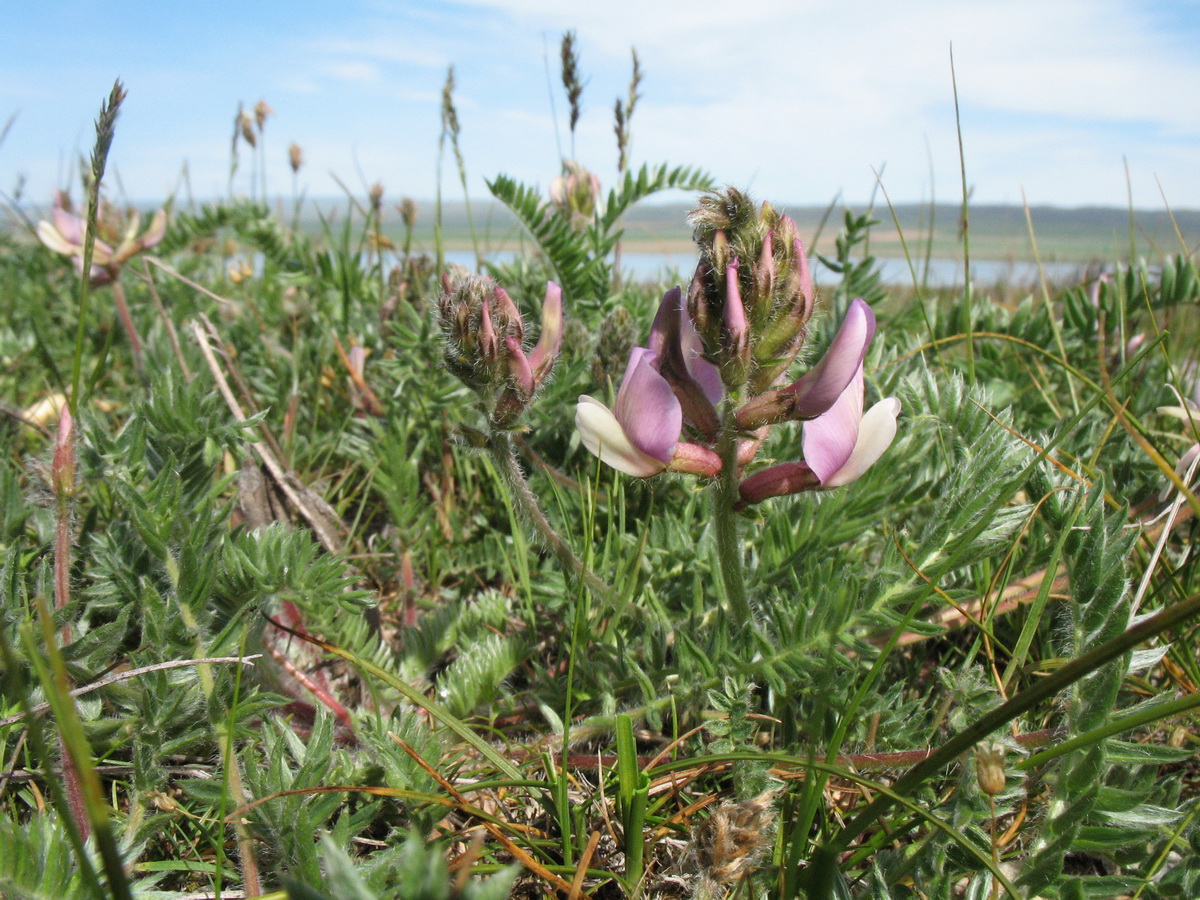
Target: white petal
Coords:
[(1189, 412), (875, 434), (603, 435), (52, 238)]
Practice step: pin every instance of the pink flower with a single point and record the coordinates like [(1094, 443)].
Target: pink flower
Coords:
[(117, 238), (680, 360), (839, 447), (640, 435), (840, 441), (529, 371), (814, 393)]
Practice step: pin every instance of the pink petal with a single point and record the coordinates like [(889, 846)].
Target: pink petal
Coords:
[(156, 232), (488, 341), (704, 373), (70, 226), (805, 273), (53, 238), (666, 320), (508, 310), (821, 387), (829, 439), (550, 339), (647, 409), (518, 368), (735, 310), (102, 253), (603, 435), (672, 323)]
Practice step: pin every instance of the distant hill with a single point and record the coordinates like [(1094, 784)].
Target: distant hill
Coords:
[(997, 232)]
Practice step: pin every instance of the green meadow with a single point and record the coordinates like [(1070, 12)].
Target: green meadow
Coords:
[(330, 570)]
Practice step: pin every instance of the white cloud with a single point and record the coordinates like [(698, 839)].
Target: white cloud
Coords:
[(800, 97), (848, 86), (393, 48), (353, 70)]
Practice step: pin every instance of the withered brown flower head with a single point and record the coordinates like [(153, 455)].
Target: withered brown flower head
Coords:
[(408, 211), (245, 122), (732, 841), (262, 109)]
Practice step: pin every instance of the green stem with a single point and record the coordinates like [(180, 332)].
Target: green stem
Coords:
[(966, 230), (729, 545), (501, 446)]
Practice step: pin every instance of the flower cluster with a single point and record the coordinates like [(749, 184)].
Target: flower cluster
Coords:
[(576, 194), (716, 362), (117, 237), (484, 344)]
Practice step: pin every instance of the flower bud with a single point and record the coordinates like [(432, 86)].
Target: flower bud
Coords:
[(484, 335), (507, 315), (768, 408), (764, 275), (695, 459), (989, 768), (62, 469), (472, 346), (734, 350), (295, 157), (773, 284)]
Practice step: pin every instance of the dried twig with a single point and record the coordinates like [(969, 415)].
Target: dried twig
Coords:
[(133, 673)]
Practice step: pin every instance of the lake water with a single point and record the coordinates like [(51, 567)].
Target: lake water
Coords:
[(669, 267)]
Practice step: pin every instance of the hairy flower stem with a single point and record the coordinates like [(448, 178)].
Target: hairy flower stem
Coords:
[(63, 481), (135, 342), (500, 444), (729, 545)]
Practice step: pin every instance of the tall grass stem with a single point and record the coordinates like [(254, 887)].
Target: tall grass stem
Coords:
[(966, 231), (105, 129)]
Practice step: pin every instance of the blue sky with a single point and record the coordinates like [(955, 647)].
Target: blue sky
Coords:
[(796, 99)]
